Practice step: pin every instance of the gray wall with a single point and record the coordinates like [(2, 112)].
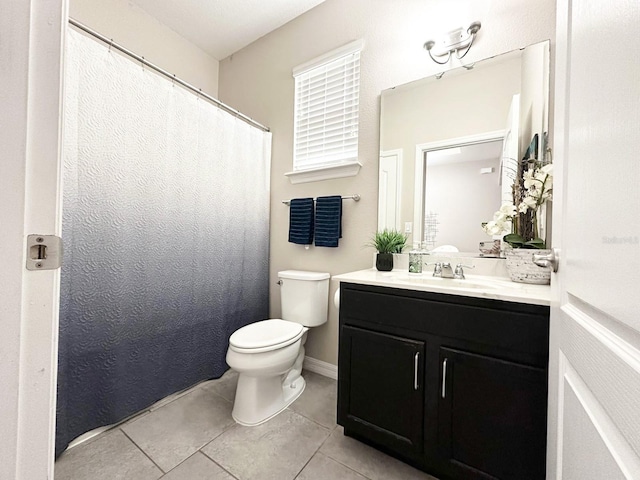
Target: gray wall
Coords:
[(463, 198)]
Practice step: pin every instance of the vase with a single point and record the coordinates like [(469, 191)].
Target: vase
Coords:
[(522, 269), (384, 262)]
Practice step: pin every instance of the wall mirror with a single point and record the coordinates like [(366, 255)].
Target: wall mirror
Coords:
[(449, 145)]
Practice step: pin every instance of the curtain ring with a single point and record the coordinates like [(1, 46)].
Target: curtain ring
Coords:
[(173, 80), (142, 62), (110, 44)]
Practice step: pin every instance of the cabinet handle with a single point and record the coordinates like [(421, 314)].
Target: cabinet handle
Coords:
[(416, 358), (444, 378)]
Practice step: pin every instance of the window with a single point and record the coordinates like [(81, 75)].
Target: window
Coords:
[(326, 114)]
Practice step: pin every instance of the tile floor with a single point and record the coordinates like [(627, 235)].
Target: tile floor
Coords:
[(193, 437)]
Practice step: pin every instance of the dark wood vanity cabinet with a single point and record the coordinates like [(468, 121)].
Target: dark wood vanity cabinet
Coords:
[(492, 417), (456, 386), (390, 366)]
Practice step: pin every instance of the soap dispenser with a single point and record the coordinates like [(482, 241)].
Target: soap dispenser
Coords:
[(415, 260)]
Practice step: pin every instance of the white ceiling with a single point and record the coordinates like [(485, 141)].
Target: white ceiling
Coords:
[(222, 27)]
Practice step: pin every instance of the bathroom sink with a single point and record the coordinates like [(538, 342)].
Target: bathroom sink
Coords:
[(480, 286), (474, 282), (450, 282)]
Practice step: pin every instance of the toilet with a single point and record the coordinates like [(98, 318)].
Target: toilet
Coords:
[(268, 354)]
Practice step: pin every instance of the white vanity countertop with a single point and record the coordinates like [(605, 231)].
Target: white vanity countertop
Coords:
[(479, 286)]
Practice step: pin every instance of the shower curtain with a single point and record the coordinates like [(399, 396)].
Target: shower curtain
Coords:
[(165, 229)]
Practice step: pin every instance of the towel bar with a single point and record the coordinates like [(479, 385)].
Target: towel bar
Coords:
[(355, 197)]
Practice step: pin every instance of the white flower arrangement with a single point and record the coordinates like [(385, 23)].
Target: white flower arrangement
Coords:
[(501, 222), (538, 189), (538, 183)]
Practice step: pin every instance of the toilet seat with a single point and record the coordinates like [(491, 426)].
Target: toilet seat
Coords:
[(265, 336)]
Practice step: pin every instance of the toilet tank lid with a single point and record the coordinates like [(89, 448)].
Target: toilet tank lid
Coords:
[(302, 275)]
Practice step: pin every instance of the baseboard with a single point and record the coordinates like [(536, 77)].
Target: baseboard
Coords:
[(321, 368)]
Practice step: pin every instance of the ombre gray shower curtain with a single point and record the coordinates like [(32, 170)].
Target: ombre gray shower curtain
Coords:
[(165, 229)]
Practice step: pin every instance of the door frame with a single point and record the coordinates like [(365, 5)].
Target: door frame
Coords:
[(554, 406), (30, 192), (420, 151)]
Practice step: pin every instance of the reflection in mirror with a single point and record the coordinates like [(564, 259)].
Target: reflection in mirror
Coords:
[(474, 170), (502, 102)]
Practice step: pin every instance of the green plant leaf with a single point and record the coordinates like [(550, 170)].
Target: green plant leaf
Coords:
[(516, 241), (535, 243), (388, 241), (513, 239)]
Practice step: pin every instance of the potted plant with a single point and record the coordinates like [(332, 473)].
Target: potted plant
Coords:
[(387, 242), (519, 220)]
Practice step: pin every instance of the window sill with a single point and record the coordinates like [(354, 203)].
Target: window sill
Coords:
[(324, 173)]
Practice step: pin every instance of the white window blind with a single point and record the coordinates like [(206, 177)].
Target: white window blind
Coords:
[(326, 111)]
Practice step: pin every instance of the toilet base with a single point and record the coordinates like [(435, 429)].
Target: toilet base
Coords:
[(274, 398)]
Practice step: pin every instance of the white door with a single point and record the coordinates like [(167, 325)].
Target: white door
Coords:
[(594, 409), (389, 179), (30, 83)]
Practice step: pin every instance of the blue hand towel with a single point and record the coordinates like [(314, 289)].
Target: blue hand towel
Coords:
[(301, 221), (328, 221)]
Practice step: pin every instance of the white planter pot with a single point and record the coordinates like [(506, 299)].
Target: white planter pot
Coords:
[(522, 269)]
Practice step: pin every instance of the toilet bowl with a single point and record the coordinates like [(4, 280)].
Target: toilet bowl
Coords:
[(268, 354), (262, 366)]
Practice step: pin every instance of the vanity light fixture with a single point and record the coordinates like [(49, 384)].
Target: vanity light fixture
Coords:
[(454, 41)]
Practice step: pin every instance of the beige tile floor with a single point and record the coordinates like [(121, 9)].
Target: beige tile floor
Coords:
[(193, 437)]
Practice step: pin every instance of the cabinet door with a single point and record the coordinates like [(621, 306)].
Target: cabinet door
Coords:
[(491, 417), (380, 388)]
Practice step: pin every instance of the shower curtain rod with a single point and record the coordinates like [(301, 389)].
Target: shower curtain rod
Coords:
[(161, 71)]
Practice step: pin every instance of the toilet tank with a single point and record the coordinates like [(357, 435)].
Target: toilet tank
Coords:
[(304, 296)]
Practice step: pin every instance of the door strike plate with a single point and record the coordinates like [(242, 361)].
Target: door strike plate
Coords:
[(44, 252)]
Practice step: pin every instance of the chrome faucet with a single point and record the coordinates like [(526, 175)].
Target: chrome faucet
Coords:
[(442, 269), (447, 271), (459, 273)]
